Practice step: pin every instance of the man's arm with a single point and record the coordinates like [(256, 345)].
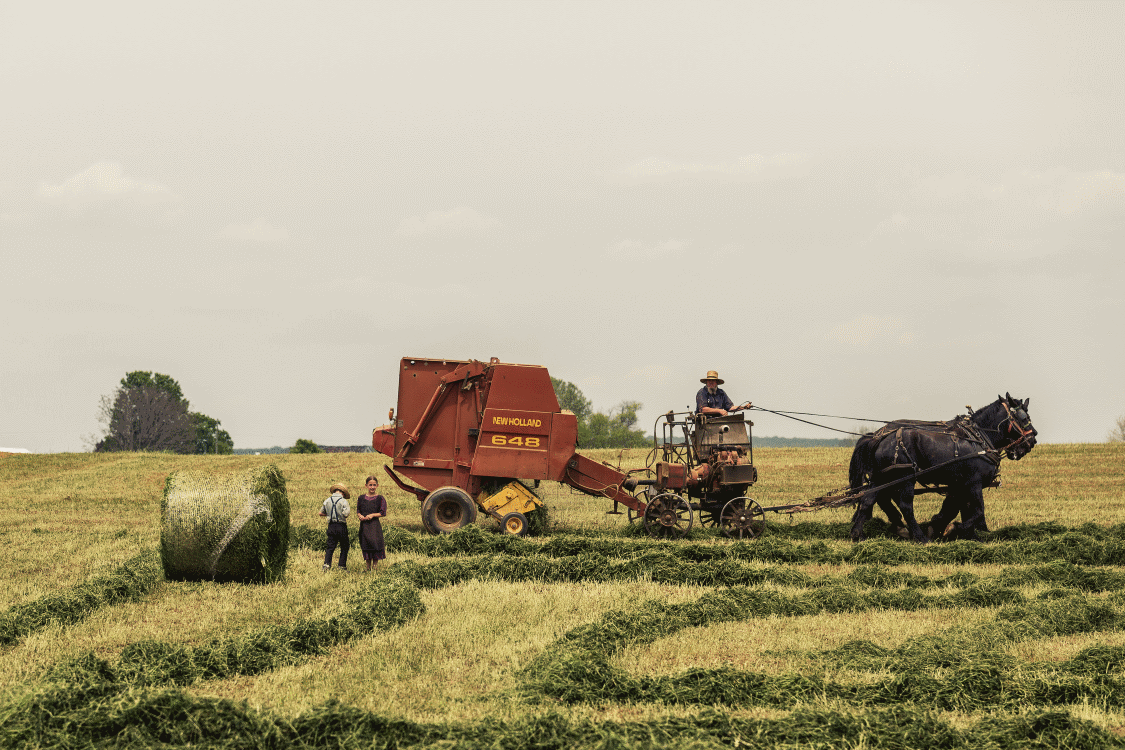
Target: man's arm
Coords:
[(712, 409), (701, 409)]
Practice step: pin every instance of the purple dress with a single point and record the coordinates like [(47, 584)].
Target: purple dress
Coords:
[(371, 532)]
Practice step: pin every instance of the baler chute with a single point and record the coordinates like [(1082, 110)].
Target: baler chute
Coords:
[(472, 435)]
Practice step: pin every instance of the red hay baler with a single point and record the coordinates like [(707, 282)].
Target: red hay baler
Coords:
[(481, 435)]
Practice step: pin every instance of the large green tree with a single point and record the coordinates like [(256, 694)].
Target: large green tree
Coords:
[(571, 399), (613, 429), (209, 436), (148, 412)]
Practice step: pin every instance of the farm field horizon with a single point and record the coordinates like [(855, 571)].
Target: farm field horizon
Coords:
[(589, 635)]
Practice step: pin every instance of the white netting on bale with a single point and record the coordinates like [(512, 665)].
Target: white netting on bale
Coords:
[(225, 527)]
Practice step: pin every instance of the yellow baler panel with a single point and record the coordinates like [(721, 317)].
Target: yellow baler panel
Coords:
[(514, 497)]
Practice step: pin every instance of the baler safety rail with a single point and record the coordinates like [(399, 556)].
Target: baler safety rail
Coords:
[(602, 480)]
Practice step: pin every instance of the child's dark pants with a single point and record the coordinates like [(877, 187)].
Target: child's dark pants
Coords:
[(337, 534)]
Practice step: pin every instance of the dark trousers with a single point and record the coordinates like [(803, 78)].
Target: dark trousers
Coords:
[(337, 534)]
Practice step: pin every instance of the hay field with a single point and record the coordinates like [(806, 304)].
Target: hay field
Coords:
[(590, 636)]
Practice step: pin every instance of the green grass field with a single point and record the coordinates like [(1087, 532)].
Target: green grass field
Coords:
[(589, 636)]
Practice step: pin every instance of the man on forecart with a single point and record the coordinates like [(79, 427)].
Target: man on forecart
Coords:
[(713, 400)]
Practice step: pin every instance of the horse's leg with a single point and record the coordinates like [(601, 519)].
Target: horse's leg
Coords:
[(951, 505), (893, 516), (905, 502), (861, 516), (972, 512)]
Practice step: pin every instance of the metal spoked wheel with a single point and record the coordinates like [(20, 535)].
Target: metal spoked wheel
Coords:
[(668, 516), (742, 518)]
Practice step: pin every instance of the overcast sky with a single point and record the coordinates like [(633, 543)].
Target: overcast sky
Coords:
[(870, 209)]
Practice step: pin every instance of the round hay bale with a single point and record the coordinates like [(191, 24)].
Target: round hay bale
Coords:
[(225, 527)]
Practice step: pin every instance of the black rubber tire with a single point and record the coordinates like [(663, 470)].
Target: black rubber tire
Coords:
[(514, 523), (426, 524), (447, 509)]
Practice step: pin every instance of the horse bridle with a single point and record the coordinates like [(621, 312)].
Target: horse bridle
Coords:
[(1011, 427)]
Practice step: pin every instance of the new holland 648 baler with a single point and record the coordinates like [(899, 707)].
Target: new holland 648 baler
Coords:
[(476, 435), (467, 432)]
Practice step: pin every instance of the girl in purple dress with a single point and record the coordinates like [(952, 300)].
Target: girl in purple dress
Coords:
[(369, 509)]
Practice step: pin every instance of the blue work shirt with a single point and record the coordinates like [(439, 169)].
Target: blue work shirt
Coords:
[(720, 400)]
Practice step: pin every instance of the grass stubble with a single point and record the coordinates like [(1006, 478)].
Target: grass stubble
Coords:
[(456, 668)]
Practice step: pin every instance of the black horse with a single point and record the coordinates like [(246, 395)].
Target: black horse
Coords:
[(961, 456)]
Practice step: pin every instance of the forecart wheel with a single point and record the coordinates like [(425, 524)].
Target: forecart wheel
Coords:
[(742, 518), (514, 523), (447, 509), (668, 516)]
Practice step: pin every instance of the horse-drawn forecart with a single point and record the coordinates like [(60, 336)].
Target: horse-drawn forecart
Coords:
[(471, 435), (713, 465)]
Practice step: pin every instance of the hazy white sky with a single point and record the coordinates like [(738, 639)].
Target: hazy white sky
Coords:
[(873, 209)]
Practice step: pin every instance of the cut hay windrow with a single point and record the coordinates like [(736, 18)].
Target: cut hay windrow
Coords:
[(393, 598), (1072, 548), (576, 669), (811, 532), (591, 568), (660, 567), (160, 663), (975, 684), (384, 603), (951, 648), (225, 527), (106, 715), (654, 619), (128, 582)]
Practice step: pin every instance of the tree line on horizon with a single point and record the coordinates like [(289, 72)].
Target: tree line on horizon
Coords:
[(148, 412)]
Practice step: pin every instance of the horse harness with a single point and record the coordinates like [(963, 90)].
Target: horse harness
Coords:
[(959, 430)]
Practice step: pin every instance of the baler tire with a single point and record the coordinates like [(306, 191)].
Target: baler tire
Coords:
[(426, 524), (514, 523), (447, 509)]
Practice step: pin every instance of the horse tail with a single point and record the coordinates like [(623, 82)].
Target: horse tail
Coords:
[(862, 465)]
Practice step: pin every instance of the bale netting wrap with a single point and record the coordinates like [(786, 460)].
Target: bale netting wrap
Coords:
[(225, 527)]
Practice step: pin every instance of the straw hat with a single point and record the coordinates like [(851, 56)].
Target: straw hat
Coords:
[(711, 375), (343, 490)]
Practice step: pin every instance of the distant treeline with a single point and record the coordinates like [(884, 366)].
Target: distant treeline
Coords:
[(782, 442), (325, 448)]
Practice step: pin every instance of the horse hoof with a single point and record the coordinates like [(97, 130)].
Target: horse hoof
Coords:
[(902, 532), (950, 530)]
